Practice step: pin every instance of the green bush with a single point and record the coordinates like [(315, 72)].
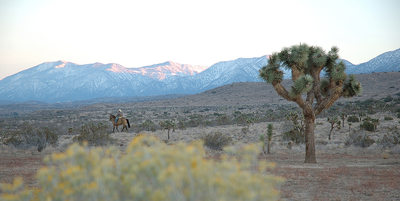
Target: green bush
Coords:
[(367, 125), (94, 134), (216, 141), (353, 119), (149, 170), (388, 118)]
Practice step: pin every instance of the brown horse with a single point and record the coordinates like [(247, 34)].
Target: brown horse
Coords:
[(121, 121)]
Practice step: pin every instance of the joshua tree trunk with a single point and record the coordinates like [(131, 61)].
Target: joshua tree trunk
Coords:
[(269, 147), (309, 138)]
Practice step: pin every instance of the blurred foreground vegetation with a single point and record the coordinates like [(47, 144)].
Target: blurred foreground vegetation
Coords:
[(150, 170)]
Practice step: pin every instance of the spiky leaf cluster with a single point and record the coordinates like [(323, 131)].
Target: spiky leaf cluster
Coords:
[(351, 87), (302, 85), (271, 72)]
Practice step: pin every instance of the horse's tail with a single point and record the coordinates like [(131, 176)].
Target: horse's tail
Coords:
[(129, 125)]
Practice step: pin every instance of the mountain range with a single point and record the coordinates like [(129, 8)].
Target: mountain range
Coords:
[(63, 81)]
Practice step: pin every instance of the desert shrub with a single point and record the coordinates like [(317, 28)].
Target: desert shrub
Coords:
[(359, 139), (388, 118), (216, 141), (149, 170), (28, 136), (94, 134), (369, 124), (353, 118)]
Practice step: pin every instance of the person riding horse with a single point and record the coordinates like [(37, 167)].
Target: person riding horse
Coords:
[(119, 114)]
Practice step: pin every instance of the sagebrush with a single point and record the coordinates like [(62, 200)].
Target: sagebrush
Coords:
[(149, 170)]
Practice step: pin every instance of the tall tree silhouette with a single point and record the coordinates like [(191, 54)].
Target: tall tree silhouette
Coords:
[(312, 93)]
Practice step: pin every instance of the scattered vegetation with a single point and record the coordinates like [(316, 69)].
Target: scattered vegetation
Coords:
[(95, 134), (27, 136), (150, 170)]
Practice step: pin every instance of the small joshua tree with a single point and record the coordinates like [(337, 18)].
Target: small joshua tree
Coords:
[(335, 122), (343, 116), (311, 93), (296, 134), (269, 137), (168, 125)]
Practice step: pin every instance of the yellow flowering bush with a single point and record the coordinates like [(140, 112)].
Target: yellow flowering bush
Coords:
[(150, 170)]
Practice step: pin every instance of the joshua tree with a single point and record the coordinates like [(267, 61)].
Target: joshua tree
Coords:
[(168, 125), (333, 121), (306, 63)]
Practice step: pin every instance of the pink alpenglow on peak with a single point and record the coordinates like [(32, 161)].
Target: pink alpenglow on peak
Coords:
[(116, 68), (160, 71), (62, 65)]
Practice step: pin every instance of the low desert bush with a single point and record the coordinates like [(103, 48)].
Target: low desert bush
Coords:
[(388, 118), (359, 139), (149, 170), (353, 119), (216, 141), (94, 134), (390, 139)]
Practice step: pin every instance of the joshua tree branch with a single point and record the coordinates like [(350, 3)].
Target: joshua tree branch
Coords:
[(329, 100)]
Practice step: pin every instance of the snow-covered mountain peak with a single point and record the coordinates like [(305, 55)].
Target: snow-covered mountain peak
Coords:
[(169, 68)]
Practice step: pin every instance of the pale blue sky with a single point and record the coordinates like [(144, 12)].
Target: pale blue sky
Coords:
[(138, 33)]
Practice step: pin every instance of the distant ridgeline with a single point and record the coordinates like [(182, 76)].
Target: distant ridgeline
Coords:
[(62, 81)]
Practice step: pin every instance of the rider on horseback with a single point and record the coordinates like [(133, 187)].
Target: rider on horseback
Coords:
[(119, 114)]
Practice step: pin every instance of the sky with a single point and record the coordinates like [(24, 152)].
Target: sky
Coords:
[(199, 32)]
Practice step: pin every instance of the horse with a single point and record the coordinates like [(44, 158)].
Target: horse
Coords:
[(121, 121)]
